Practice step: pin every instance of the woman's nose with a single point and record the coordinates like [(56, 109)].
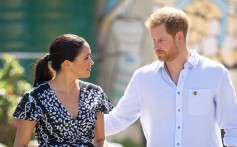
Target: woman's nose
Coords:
[(92, 62)]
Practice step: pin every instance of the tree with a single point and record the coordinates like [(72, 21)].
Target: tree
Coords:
[(12, 87)]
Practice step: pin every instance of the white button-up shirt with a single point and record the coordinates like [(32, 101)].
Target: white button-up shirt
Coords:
[(189, 114)]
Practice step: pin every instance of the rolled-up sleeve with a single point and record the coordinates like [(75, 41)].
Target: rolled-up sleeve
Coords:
[(227, 109)]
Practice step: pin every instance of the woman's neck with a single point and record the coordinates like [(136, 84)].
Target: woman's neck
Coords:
[(64, 83)]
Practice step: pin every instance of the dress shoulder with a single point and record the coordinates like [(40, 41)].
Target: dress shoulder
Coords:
[(101, 101), (28, 108)]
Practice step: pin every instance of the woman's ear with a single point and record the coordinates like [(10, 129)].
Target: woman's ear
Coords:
[(66, 64)]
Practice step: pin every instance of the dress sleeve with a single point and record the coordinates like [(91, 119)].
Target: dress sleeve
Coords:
[(103, 104), (27, 109)]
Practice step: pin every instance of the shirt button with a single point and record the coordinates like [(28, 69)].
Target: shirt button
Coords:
[(178, 110), (177, 143), (178, 127), (195, 93), (178, 92)]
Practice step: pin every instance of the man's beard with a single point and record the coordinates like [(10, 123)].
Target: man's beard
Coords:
[(170, 55)]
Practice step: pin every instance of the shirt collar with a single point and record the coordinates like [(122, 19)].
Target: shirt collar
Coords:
[(193, 59)]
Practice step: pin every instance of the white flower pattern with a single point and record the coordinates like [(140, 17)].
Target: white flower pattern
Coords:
[(55, 126)]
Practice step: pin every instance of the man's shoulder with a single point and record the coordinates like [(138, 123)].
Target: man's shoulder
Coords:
[(210, 64), (149, 68)]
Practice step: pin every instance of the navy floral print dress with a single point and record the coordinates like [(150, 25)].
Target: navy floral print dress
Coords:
[(55, 126)]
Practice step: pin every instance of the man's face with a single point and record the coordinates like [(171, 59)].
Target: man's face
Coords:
[(164, 44)]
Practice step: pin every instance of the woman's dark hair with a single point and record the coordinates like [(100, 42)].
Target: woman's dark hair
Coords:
[(64, 47)]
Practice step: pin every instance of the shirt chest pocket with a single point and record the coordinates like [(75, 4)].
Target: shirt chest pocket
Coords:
[(199, 101)]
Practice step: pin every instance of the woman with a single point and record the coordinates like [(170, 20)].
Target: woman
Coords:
[(64, 110)]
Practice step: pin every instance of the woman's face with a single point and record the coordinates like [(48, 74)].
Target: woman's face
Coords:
[(81, 66)]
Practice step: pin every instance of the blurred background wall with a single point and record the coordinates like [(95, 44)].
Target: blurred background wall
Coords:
[(28, 26), (116, 33)]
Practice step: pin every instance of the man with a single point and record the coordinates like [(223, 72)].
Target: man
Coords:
[(184, 99)]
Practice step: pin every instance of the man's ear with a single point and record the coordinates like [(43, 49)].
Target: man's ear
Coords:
[(180, 36)]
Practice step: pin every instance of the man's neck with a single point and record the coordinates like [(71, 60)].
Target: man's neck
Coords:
[(173, 68)]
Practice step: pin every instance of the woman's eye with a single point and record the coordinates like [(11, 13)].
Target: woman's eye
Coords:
[(87, 57)]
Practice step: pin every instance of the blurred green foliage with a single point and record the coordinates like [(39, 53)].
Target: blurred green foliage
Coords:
[(128, 143), (12, 87)]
